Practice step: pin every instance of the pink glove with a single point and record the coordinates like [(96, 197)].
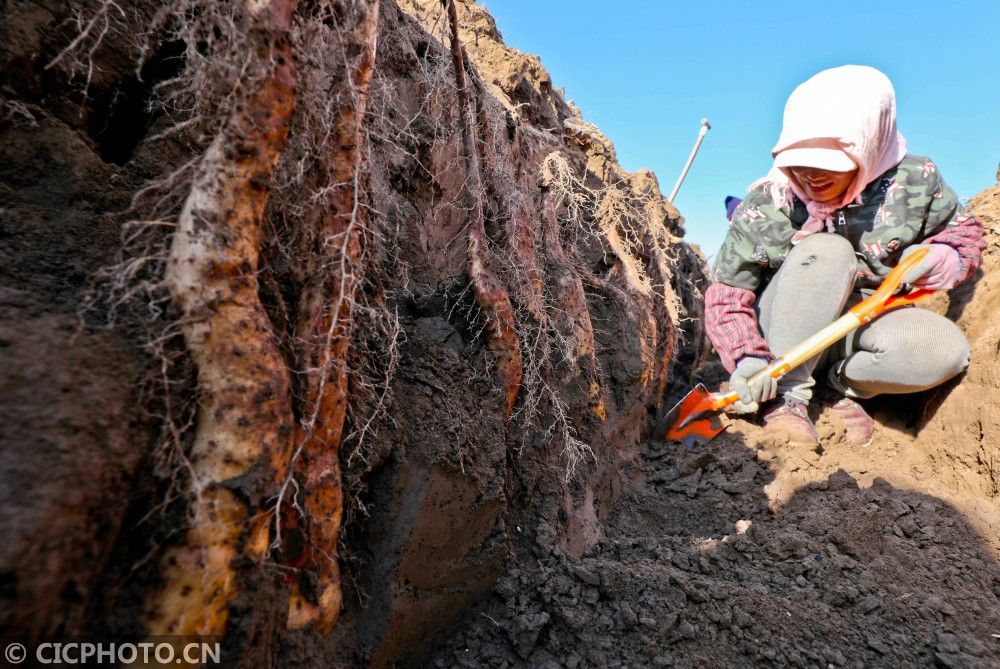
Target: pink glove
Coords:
[(939, 270)]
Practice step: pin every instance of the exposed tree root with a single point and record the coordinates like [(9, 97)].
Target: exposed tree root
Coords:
[(516, 211), (491, 296), (627, 217), (570, 294), (657, 240), (284, 391), (244, 426), (324, 330), (574, 314)]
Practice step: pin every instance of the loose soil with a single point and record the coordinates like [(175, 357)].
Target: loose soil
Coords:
[(702, 565)]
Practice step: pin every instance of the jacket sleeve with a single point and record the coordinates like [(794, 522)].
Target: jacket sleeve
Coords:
[(742, 258), (731, 324), (752, 240), (948, 224)]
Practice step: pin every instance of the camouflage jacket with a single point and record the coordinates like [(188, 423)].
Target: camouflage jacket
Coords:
[(906, 205)]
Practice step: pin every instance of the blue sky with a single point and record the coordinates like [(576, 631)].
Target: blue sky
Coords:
[(647, 71)]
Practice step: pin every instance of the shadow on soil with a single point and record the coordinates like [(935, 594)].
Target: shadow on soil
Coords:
[(695, 570)]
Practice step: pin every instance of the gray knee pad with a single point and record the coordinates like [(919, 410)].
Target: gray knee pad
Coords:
[(823, 249), (807, 293), (906, 350)]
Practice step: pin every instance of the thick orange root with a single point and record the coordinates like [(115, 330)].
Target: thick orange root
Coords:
[(490, 294), (245, 417), (324, 327), (574, 315), (519, 219)]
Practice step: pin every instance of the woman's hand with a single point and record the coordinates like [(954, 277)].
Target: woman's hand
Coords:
[(939, 270), (751, 395)]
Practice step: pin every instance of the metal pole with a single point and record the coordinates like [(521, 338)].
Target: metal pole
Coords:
[(705, 127)]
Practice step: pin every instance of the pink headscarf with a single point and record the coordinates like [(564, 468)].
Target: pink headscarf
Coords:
[(851, 110)]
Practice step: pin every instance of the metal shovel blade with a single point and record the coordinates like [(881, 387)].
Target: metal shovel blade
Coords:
[(693, 421)]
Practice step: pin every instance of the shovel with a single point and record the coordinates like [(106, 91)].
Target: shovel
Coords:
[(695, 420)]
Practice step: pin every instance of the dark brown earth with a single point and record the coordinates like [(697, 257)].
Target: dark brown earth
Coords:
[(840, 575), (468, 539)]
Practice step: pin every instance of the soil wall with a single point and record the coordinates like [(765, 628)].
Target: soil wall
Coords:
[(442, 489)]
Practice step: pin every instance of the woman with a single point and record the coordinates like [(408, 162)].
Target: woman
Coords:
[(843, 203)]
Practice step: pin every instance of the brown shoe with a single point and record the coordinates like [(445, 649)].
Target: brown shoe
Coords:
[(860, 426), (792, 421)]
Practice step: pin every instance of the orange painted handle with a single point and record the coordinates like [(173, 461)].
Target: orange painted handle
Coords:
[(875, 303), (907, 299)]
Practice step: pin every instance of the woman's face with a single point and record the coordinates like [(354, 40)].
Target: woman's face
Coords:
[(823, 185)]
